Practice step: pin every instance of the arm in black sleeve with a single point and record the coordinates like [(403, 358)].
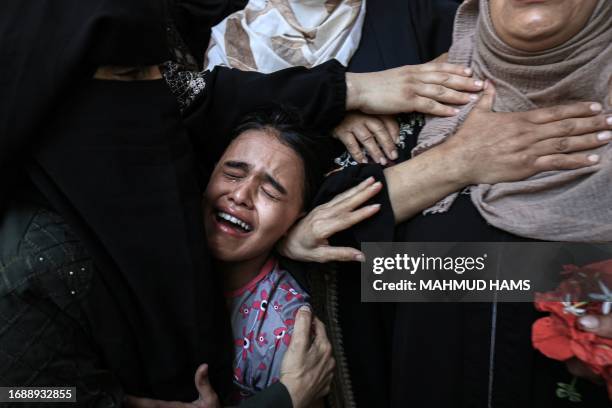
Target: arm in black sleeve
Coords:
[(275, 396), (318, 93), (381, 226)]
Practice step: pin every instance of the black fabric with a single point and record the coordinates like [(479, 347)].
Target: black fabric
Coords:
[(51, 45), (319, 94), (275, 396), (45, 337), (433, 23), (403, 32), (372, 229), (521, 376), (195, 18), (432, 354), (123, 175), (365, 326), (395, 33)]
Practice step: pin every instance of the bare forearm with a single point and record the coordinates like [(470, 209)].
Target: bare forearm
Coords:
[(352, 92), (418, 183)]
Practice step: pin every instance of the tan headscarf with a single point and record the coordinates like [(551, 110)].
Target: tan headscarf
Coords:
[(571, 205), (269, 35)]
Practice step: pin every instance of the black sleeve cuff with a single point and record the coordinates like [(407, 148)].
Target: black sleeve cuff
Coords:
[(378, 228), (275, 396)]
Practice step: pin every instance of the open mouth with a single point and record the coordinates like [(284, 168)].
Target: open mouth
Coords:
[(233, 222)]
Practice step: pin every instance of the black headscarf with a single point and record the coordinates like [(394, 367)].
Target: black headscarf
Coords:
[(49, 46)]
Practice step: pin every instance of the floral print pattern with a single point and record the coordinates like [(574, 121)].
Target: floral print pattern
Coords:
[(263, 316)]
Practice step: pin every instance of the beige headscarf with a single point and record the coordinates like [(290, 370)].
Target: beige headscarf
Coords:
[(571, 205), (269, 35)]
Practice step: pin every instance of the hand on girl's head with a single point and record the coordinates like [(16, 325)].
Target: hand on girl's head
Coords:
[(308, 240)]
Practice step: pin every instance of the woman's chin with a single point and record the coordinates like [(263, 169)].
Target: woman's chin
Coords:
[(539, 25)]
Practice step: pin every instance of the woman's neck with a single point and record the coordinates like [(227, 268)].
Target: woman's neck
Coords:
[(237, 274)]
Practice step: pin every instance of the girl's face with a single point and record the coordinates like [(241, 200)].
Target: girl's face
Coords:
[(253, 197), (536, 25)]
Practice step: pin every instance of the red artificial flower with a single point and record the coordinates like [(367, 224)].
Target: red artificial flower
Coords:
[(558, 336)]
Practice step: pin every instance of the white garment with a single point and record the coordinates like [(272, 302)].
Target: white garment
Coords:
[(269, 35)]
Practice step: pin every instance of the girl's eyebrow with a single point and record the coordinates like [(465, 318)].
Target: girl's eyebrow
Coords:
[(275, 183), (237, 165)]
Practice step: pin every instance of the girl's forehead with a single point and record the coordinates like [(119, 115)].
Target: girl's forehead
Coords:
[(262, 147), (264, 152)]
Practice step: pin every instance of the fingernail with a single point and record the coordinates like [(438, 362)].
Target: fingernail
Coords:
[(473, 97), (375, 206), (376, 185), (394, 155), (593, 158), (359, 258), (596, 107), (609, 120), (479, 83), (365, 160), (305, 308), (456, 111), (383, 161), (468, 71), (607, 135), (589, 322)]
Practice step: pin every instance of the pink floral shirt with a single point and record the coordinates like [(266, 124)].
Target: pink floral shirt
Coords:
[(263, 314)]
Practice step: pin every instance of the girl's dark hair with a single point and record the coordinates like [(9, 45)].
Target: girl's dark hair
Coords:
[(287, 125)]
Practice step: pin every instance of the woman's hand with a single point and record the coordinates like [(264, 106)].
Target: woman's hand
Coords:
[(375, 134), (601, 326), (308, 239), (308, 365), (492, 147), (427, 88)]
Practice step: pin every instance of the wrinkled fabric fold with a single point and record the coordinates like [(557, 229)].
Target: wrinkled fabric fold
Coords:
[(271, 35)]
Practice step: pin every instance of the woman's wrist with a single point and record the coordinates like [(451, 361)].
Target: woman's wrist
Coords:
[(354, 91), (459, 166)]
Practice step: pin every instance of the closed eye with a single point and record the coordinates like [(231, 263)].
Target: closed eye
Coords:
[(270, 195), (232, 176)]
